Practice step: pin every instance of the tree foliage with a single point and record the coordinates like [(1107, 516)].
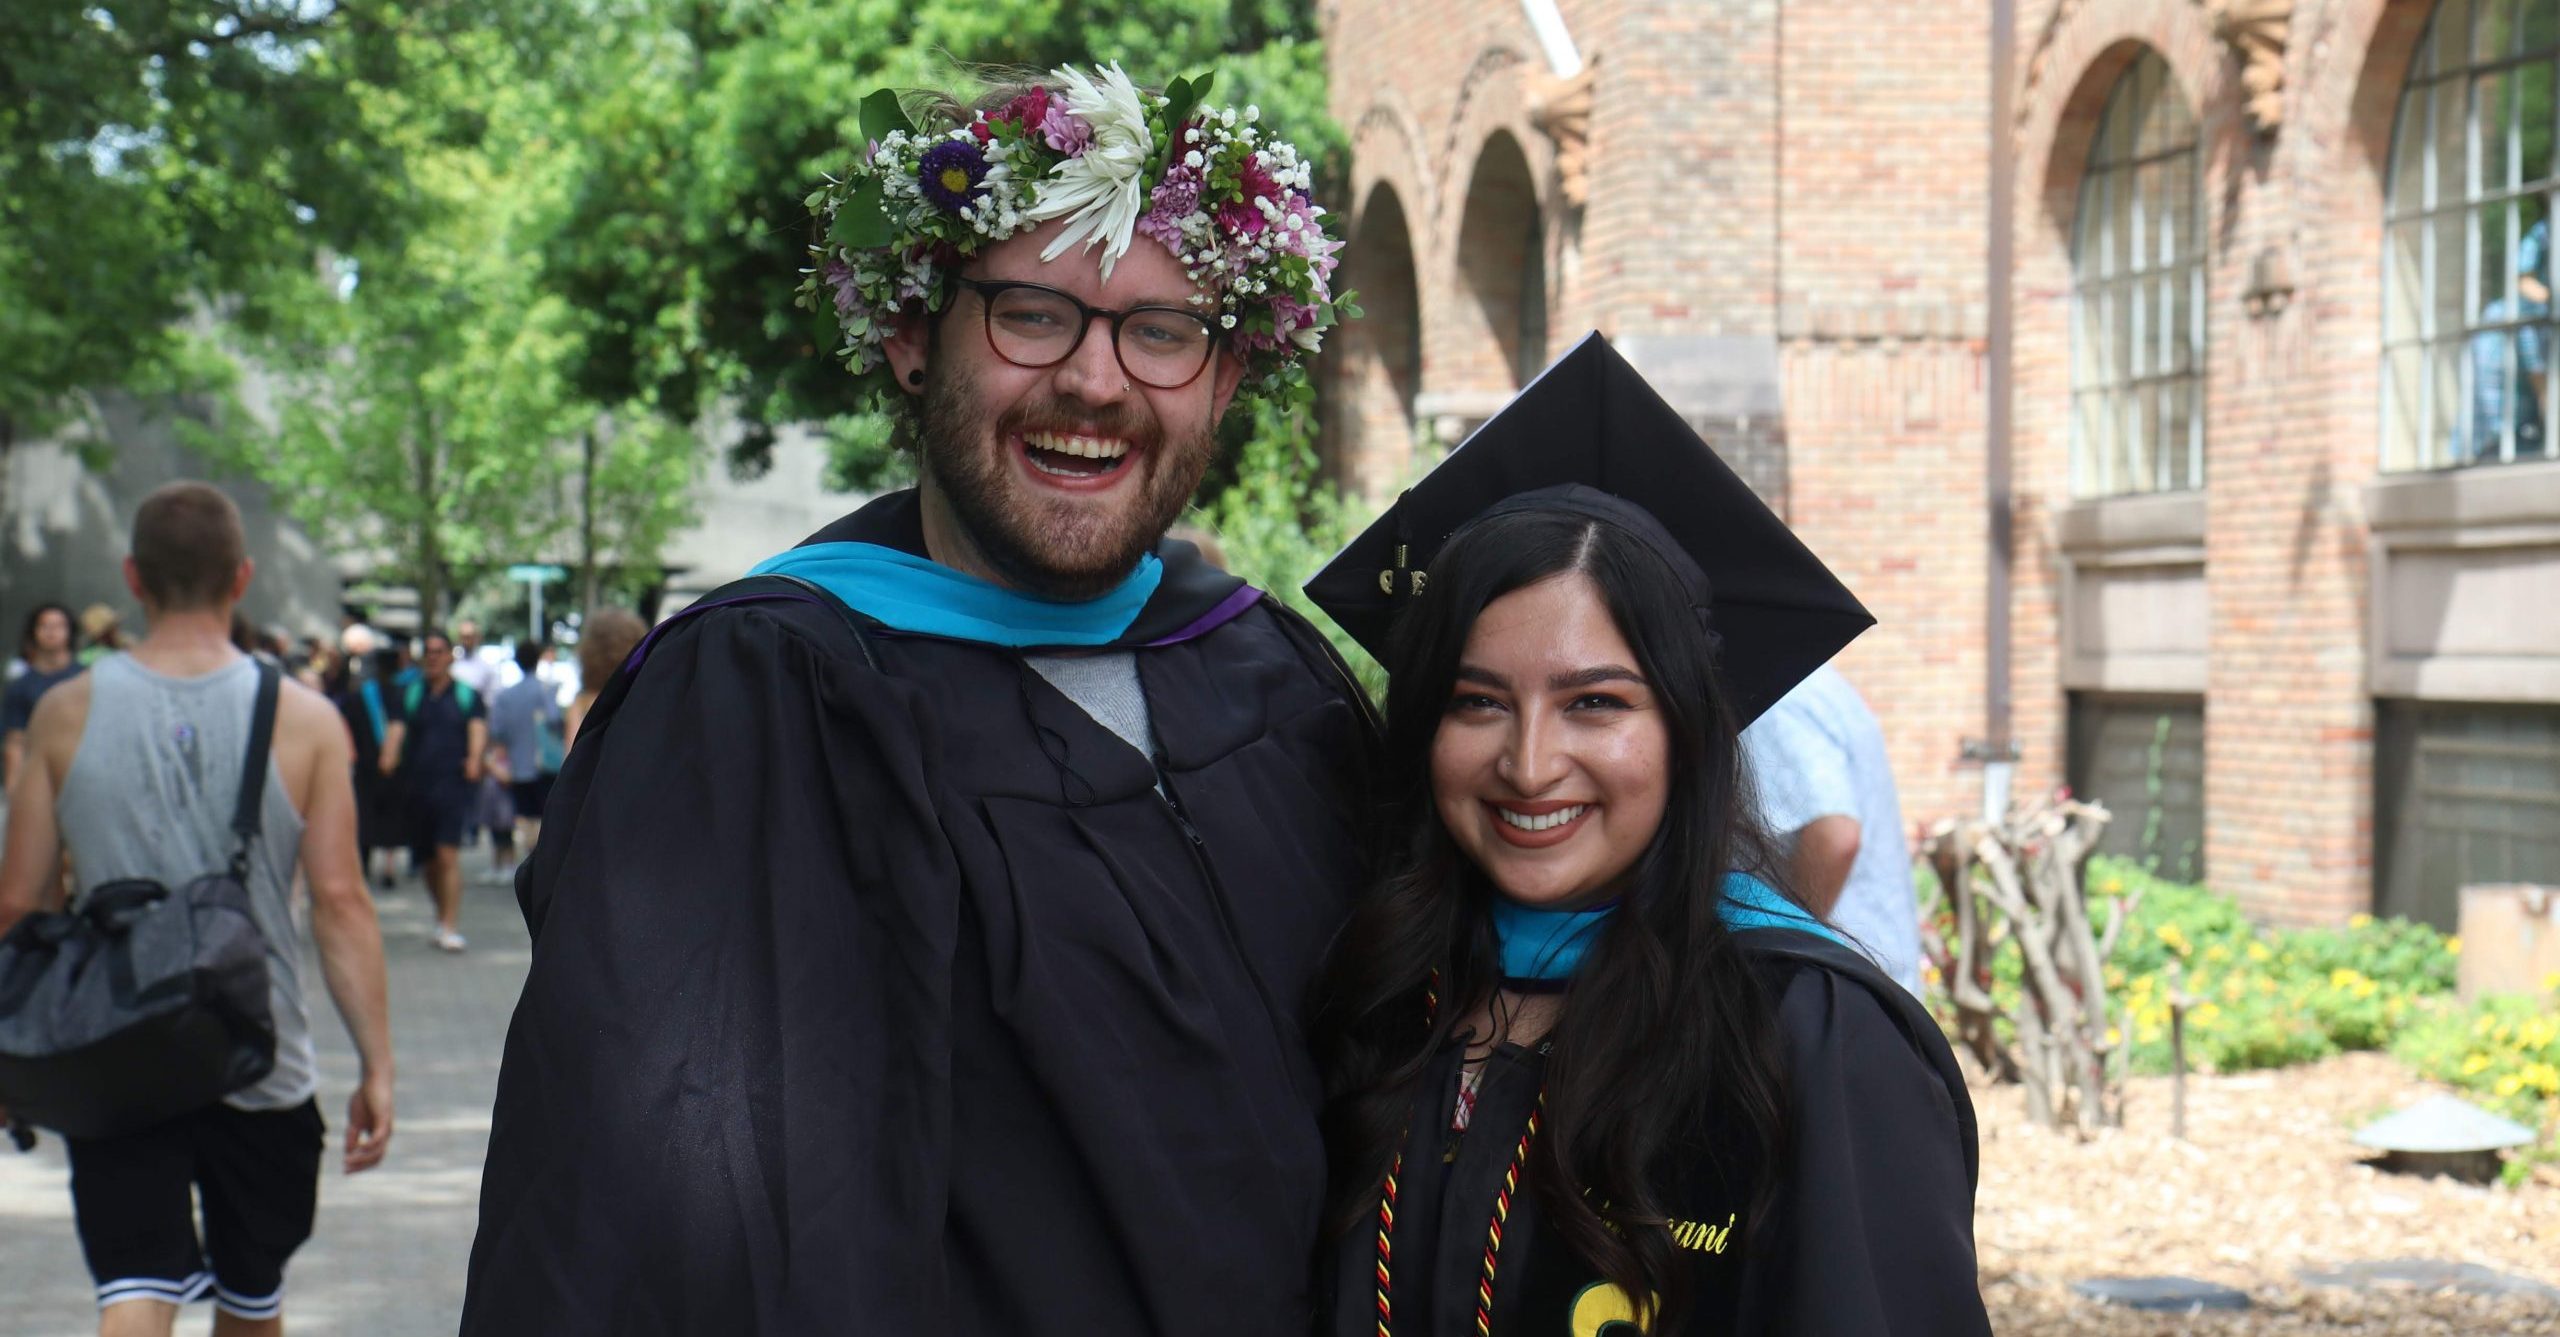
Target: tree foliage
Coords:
[(432, 415), (463, 241), (162, 157)]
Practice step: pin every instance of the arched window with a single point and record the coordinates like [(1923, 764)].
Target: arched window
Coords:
[(2137, 295), (2466, 262)]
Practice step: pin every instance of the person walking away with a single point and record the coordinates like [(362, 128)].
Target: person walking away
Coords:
[(357, 693), (45, 647), (133, 767), (490, 810), (524, 728), (434, 744), (1827, 796), (921, 924), (609, 636)]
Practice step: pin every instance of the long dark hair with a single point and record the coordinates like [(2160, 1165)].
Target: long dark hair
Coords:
[(1665, 1032)]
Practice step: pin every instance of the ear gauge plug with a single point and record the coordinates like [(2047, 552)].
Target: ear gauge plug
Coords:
[(916, 377)]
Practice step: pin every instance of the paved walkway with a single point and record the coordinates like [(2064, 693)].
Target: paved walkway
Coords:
[(387, 1258)]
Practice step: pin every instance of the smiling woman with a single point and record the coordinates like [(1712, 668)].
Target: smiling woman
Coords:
[(1659, 1090)]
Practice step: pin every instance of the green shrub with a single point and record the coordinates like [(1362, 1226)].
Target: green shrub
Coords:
[(2503, 1050), (1279, 522), (2261, 997)]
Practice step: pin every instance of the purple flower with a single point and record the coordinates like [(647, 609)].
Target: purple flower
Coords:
[(1066, 132), (1288, 314), (1176, 198), (950, 172), (839, 276)]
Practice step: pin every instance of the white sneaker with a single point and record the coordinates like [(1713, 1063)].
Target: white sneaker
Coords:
[(448, 940)]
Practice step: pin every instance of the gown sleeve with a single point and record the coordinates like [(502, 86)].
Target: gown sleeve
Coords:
[(1873, 1233), (724, 1101)]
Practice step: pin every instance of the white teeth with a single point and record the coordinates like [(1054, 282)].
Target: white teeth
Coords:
[(1090, 447), (1547, 822)]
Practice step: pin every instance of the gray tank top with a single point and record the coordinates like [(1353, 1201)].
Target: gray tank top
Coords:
[(150, 795)]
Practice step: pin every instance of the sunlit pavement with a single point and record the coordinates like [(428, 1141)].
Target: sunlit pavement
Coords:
[(387, 1257)]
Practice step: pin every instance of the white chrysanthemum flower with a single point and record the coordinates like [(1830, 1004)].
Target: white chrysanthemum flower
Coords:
[(1101, 191)]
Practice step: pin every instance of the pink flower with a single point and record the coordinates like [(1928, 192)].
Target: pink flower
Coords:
[(848, 293), (1066, 132), (1175, 198), (1030, 111), (1240, 219), (1288, 314)]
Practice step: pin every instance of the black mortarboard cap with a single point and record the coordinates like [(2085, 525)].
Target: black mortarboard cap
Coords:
[(1590, 435)]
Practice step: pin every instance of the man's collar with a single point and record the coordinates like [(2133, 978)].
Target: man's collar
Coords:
[(1190, 599)]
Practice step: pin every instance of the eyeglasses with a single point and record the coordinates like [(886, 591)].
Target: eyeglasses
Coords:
[(1030, 325)]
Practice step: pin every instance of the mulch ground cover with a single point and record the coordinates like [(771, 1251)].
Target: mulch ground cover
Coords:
[(2267, 1186)]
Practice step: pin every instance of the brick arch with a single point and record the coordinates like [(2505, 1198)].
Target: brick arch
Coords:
[(1476, 287), (1497, 298), (2079, 60), (1494, 96), (1379, 359), (1389, 146)]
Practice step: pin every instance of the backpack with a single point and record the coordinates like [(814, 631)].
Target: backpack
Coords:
[(372, 694), (417, 692), (143, 1003)]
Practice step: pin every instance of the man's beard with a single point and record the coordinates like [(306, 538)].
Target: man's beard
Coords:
[(1053, 547)]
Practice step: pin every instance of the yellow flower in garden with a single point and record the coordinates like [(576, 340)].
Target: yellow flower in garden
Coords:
[(2510, 1084), (2204, 1015), (2483, 1025), (2453, 945), (2149, 1035), (2551, 982), (2217, 952), (2174, 938), (2363, 987), (2235, 989), (2541, 1077), (2344, 977), (2112, 885), (2359, 921), (2538, 1033), (2258, 951), (2475, 1064)]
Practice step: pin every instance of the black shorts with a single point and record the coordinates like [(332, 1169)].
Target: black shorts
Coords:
[(259, 1174), (440, 812), (531, 795)]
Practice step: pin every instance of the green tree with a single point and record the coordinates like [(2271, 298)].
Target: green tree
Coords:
[(174, 160), (426, 413)]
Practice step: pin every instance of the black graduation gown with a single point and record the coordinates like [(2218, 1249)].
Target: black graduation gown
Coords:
[(1870, 1233), (877, 988)]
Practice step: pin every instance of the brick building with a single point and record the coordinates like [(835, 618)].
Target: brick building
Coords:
[(2286, 519)]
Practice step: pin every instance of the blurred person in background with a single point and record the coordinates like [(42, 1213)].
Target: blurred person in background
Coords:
[(44, 648), (1827, 798), (435, 744), (608, 638), (524, 732), (101, 633)]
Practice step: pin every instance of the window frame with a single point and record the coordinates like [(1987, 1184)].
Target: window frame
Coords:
[(2142, 353)]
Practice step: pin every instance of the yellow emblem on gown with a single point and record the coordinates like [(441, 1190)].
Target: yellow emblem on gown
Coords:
[(1603, 1310)]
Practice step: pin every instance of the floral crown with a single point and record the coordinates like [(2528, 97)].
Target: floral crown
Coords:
[(1116, 162)]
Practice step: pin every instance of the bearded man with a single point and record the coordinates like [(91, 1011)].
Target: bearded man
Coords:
[(920, 925)]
